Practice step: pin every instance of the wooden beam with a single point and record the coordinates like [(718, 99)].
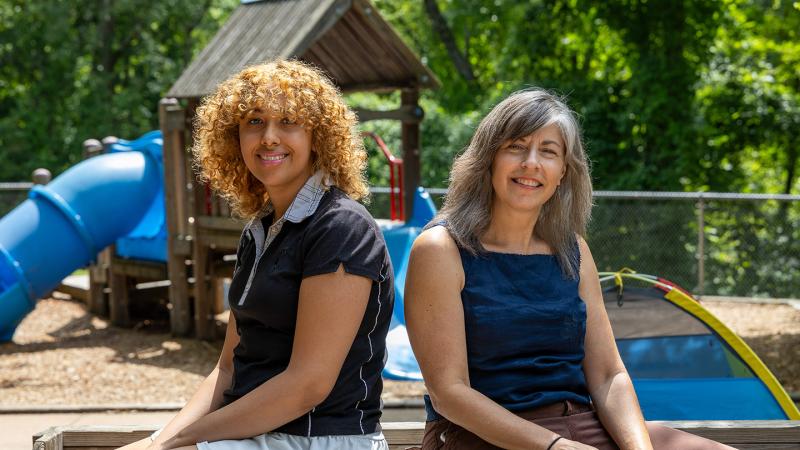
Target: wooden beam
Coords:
[(173, 127), (409, 98), (217, 240), (139, 269), (378, 87), (753, 433), (406, 113), (49, 439), (94, 436), (742, 434), (219, 223), (76, 292)]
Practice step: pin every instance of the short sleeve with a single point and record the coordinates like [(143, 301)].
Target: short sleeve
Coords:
[(344, 236)]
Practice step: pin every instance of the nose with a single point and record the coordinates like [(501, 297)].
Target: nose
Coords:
[(270, 137), (531, 158)]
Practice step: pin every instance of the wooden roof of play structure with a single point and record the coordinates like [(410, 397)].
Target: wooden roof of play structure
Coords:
[(346, 38)]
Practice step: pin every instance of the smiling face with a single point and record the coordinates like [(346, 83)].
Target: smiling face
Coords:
[(526, 171), (276, 150)]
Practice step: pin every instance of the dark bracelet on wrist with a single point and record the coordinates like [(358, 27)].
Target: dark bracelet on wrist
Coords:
[(553, 443)]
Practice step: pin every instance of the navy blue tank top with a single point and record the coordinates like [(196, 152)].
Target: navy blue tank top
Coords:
[(525, 324)]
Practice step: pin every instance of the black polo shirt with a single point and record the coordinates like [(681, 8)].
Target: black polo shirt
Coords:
[(264, 298)]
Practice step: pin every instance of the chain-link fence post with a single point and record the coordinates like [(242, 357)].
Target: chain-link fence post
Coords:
[(701, 251)]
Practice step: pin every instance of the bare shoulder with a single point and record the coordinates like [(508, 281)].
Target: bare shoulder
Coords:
[(435, 242), (435, 251), (584, 247), (586, 254), (588, 269)]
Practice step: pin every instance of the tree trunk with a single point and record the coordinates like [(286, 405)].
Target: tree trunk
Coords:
[(791, 167), (461, 61)]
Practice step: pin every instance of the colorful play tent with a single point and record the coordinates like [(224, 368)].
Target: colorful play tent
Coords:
[(685, 363)]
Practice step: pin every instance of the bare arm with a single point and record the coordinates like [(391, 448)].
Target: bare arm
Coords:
[(208, 396), (330, 310), (435, 321), (609, 383)]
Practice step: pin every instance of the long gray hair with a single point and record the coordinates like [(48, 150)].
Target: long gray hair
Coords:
[(468, 205)]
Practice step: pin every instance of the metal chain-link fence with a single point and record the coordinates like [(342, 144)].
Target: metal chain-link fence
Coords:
[(12, 194), (742, 245)]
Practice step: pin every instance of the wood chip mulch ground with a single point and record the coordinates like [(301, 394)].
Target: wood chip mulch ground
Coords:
[(61, 355)]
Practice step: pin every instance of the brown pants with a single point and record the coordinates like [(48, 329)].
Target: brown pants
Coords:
[(573, 421)]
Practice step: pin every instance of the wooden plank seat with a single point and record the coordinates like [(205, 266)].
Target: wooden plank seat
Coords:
[(744, 435)]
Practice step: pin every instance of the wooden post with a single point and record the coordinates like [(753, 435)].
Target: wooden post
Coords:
[(98, 278), (119, 300), (218, 287), (203, 297), (172, 122), (98, 270), (409, 98), (203, 252)]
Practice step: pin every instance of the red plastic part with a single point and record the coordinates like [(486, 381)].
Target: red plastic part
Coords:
[(396, 194)]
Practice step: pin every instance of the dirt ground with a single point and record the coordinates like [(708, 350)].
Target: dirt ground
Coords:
[(62, 355)]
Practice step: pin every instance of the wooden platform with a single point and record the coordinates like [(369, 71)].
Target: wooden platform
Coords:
[(744, 435)]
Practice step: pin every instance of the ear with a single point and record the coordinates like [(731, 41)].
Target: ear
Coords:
[(563, 172)]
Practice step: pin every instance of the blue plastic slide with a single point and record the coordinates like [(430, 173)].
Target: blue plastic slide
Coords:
[(401, 364), (63, 225)]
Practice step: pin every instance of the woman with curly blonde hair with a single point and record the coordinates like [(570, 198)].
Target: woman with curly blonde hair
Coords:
[(312, 292)]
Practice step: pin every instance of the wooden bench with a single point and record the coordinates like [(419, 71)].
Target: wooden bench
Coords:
[(744, 435)]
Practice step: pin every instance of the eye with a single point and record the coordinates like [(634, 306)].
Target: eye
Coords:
[(514, 147), (288, 121), (549, 152), (254, 121)]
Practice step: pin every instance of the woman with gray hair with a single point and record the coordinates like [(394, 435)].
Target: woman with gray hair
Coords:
[(503, 304)]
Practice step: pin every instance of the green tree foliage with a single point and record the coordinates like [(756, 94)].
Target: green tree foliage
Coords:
[(672, 94), (749, 100), (664, 87), (70, 71)]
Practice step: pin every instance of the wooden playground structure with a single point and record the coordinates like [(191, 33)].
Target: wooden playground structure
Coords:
[(348, 40)]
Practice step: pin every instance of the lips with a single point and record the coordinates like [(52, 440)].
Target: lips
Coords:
[(529, 182), (272, 158)]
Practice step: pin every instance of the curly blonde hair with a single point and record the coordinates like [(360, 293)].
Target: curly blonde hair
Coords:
[(291, 89)]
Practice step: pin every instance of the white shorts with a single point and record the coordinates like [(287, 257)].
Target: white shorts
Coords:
[(282, 441)]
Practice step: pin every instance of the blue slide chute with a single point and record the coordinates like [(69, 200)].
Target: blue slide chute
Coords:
[(63, 225), (401, 364)]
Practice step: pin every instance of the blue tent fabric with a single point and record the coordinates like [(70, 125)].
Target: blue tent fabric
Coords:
[(706, 399)]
